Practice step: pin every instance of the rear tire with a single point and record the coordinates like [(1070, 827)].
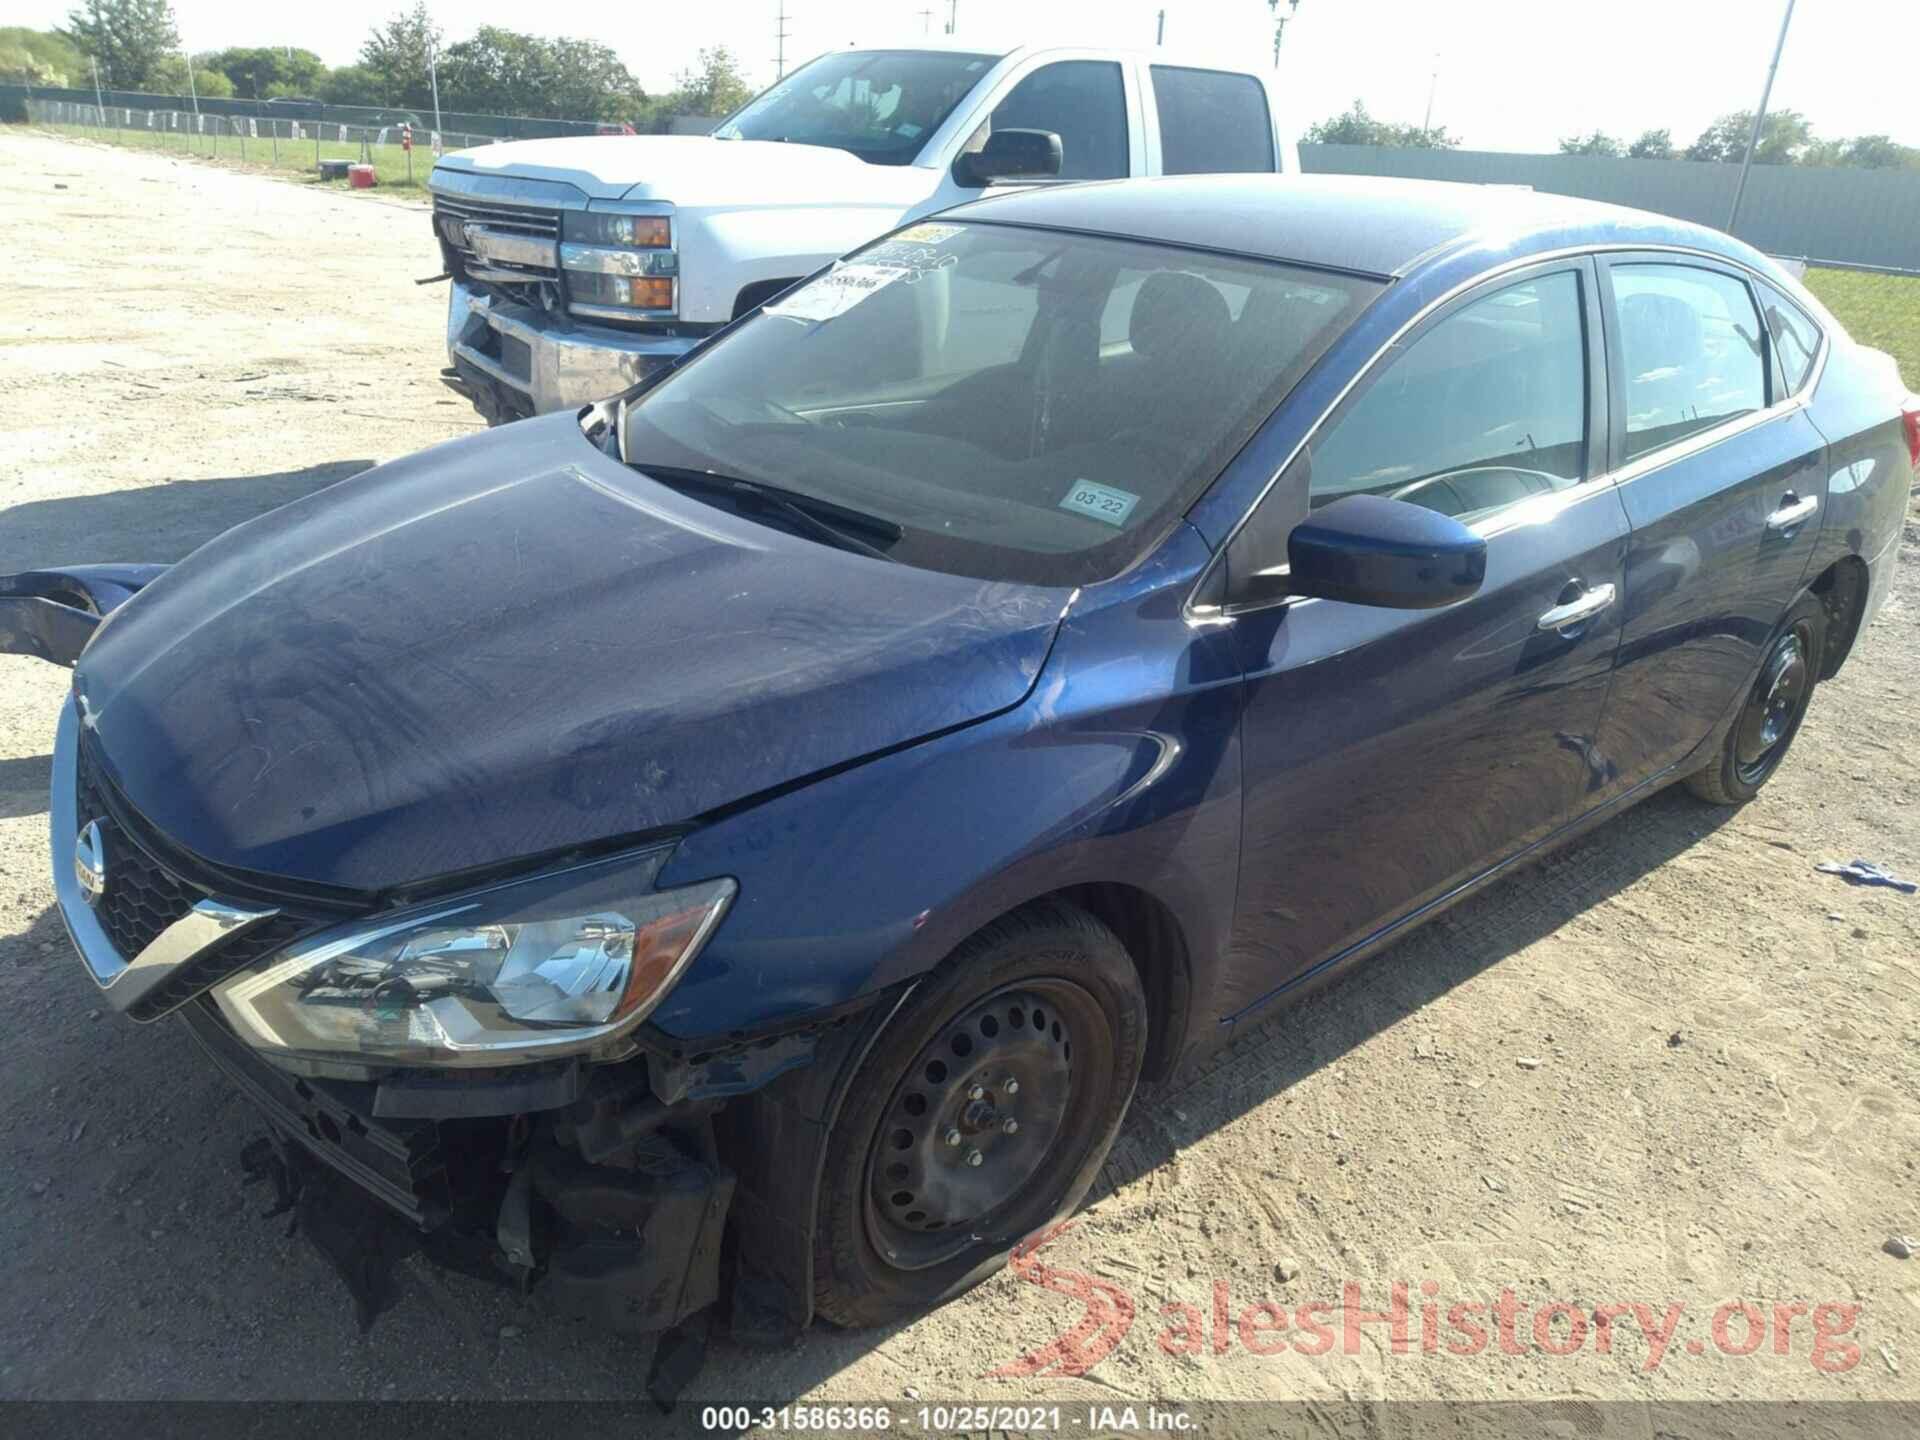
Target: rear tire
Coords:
[(1772, 712), (1038, 1020)]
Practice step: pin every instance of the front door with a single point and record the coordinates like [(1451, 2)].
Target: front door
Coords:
[(1391, 756), (1724, 477)]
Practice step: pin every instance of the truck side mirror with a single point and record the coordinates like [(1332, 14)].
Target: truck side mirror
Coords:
[(1011, 155)]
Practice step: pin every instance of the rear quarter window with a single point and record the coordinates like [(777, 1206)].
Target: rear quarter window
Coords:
[(1212, 122)]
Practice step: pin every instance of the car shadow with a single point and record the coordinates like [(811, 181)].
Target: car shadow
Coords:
[(23, 785), (456, 1322), (154, 524)]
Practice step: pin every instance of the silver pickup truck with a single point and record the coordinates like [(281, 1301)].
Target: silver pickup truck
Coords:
[(580, 265)]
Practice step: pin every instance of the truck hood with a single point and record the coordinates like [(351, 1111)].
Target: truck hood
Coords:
[(698, 171), (512, 644)]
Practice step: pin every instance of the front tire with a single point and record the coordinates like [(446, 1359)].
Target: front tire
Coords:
[(1771, 714), (982, 1113)]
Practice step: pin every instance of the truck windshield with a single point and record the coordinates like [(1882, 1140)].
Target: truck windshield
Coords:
[(880, 104), (999, 401)]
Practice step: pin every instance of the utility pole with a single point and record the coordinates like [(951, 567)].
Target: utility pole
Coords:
[(1160, 30), (99, 104), (780, 42), (926, 21), (1433, 83), (433, 75), (953, 15), (1280, 24), (1759, 118)]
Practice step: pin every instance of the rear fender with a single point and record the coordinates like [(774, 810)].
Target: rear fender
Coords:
[(51, 614)]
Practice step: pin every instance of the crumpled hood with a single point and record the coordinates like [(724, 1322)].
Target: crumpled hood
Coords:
[(511, 644), (696, 170)]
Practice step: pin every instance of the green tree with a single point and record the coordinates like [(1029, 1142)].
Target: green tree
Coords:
[(714, 86), (40, 57), (1598, 143), (505, 72), (126, 38), (1652, 145), (354, 85), (401, 53), (262, 70), (169, 77), (1356, 126), (1783, 136), (1879, 152)]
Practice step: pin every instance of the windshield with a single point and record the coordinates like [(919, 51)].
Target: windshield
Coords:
[(880, 104), (1016, 403)]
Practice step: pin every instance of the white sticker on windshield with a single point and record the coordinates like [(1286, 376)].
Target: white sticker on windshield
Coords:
[(1102, 502), (836, 292)]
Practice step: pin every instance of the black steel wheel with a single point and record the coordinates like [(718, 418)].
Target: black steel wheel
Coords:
[(1772, 712), (981, 1114)]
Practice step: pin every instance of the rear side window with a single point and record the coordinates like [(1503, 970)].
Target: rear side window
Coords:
[(1694, 359), (1796, 340), (1084, 102), (1487, 407), (1211, 122)]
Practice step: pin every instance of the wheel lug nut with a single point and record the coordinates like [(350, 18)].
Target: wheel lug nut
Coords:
[(974, 1157), (1009, 1126), (953, 1137), (978, 1092)]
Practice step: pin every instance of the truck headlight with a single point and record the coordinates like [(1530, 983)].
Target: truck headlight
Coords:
[(620, 260), (564, 963)]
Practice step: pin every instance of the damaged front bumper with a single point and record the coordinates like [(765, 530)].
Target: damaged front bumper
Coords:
[(632, 1245), (513, 361), (51, 614)]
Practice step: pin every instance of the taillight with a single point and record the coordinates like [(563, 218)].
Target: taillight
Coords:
[(1911, 418)]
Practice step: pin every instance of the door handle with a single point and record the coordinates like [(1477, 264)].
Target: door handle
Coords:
[(1792, 511), (1582, 607)]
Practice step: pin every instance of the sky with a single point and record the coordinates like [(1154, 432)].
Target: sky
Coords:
[(1502, 74)]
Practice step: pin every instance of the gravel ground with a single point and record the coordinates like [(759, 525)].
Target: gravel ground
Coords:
[(1671, 1065)]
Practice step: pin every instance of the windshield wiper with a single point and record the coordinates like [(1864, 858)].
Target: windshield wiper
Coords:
[(811, 514)]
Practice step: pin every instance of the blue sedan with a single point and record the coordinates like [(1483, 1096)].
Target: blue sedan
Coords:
[(805, 795)]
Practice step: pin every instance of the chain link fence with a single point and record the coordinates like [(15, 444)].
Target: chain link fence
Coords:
[(285, 144)]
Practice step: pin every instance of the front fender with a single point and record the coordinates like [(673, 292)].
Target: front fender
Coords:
[(51, 614), (1121, 768)]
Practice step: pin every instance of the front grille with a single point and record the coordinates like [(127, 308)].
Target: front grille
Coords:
[(449, 215), (143, 897)]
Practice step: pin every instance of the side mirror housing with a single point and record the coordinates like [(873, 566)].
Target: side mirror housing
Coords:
[(1012, 155), (1368, 550)]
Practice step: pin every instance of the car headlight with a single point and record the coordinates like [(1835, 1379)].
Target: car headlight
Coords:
[(564, 963), (620, 260)]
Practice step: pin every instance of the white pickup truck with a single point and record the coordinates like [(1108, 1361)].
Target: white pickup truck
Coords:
[(580, 265)]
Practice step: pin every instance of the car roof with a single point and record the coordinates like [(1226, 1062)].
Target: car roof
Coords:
[(1375, 225)]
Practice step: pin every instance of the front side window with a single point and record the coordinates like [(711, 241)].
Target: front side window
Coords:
[(880, 104), (1487, 407), (1796, 340), (1084, 102), (1007, 402), (1691, 347), (1211, 122)]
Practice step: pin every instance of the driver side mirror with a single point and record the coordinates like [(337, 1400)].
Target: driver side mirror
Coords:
[(1368, 550), (1011, 155)]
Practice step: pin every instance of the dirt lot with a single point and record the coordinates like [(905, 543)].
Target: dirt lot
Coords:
[(1673, 1064)]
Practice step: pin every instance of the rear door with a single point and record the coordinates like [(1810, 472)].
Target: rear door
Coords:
[(1390, 756), (1724, 480), (1208, 122)]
